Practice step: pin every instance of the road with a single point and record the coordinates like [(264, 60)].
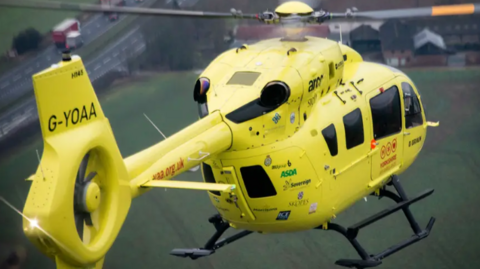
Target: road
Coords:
[(111, 58), (18, 81)]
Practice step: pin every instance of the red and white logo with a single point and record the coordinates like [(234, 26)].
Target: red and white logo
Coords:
[(390, 148)]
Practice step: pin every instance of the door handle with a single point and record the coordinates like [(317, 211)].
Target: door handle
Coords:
[(406, 133), (205, 155)]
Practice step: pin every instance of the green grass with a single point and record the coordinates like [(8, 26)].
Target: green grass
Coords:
[(14, 20), (161, 220), (443, 74)]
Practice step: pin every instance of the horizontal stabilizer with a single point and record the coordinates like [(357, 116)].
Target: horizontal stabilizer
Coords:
[(189, 185)]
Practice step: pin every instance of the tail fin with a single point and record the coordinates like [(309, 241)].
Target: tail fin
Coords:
[(80, 195), (65, 97)]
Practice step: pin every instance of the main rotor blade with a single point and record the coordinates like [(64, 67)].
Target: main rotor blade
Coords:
[(127, 10), (466, 9)]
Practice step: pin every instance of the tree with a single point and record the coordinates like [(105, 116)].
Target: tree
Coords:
[(179, 43), (26, 40), (170, 42)]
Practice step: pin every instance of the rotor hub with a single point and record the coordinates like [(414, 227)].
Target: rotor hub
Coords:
[(91, 197), (293, 7)]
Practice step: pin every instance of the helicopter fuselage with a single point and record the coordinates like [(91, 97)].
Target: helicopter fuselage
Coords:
[(344, 130), (298, 129)]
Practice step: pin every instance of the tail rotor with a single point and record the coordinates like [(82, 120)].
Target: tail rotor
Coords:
[(87, 199)]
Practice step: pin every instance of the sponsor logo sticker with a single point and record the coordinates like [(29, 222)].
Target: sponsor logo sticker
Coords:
[(313, 208), (283, 215), (268, 161)]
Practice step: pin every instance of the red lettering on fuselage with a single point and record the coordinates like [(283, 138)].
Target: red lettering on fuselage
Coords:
[(170, 170), (388, 161)]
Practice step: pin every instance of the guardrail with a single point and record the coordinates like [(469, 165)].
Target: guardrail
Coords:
[(115, 33)]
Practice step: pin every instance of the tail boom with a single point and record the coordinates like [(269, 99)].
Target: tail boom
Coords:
[(179, 153)]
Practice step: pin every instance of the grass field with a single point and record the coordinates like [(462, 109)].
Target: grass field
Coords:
[(162, 220), (14, 20)]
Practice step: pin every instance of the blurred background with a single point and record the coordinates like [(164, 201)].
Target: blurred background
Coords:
[(144, 64)]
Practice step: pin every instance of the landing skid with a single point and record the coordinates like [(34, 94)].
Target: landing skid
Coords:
[(403, 203), (367, 260), (221, 226)]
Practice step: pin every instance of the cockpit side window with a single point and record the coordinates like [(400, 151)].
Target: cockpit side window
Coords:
[(353, 124), (330, 136), (386, 113), (413, 111), (257, 182), (208, 176)]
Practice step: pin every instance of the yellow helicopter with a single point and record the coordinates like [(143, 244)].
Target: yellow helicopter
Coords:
[(292, 132)]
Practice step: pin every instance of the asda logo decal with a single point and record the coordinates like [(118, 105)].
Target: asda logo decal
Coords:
[(289, 173)]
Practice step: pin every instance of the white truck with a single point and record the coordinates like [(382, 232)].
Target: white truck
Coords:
[(74, 40), (60, 32)]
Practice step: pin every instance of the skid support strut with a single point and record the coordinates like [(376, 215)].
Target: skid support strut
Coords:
[(403, 203), (213, 243)]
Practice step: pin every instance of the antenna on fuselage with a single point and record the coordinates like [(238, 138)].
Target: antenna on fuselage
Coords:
[(193, 169), (341, 37), (155, 126)]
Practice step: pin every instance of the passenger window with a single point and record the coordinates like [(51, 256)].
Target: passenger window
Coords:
[(413, 111), (330, 135), (353, 123), (257, 182), (208, 176), (386, 113)]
